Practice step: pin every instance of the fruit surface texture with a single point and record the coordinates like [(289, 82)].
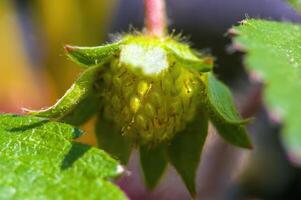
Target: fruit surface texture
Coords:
[(147, 92)]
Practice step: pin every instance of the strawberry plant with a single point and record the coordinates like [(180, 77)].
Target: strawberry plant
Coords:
[(150, 91)]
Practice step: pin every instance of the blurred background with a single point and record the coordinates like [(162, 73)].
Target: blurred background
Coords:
[(34, 73)]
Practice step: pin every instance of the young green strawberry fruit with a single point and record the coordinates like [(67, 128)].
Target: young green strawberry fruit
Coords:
[(154, 93)]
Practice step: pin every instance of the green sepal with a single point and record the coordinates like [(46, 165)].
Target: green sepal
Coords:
[(189, 58), (83, 111), (39, 160), (185, 150), (92, 56), (179, 52), (223, 114), (153, 164), (111, 140), (77, 93)]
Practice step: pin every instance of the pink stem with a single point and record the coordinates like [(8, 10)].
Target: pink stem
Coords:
[(155, 17)]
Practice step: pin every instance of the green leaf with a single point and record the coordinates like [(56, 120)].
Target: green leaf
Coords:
[(296, 4), (80, 92), (273, 52), (110, 139), (223, 114), (38, 161), (185, 150), (189, 58), (153, 163), (92, 56)]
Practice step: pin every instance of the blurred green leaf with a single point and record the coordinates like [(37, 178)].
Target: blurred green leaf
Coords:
[(223, 114), (77, 93), (40, 162), (153, 163), (111, 140), (92, 56), (273, 52), (296, 4), (184, 152)]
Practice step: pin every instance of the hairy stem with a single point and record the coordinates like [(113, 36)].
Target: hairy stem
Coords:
[(155, 17)]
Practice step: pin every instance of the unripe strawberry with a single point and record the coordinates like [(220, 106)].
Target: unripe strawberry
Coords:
[(151, 90), (148, 92)]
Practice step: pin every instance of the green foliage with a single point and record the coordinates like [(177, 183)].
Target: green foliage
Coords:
[(273, 52), (185, 150), (39, 161), (153, 163), (296, 4), (83, 111), (110, 140), (224, 115), (77, 100), (189, 58), (92, 56)]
